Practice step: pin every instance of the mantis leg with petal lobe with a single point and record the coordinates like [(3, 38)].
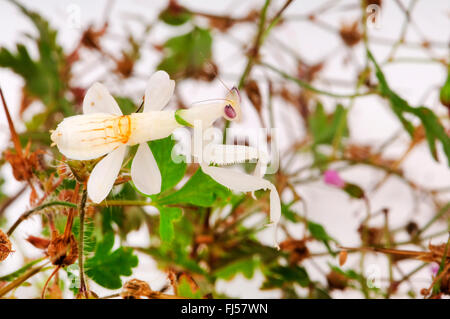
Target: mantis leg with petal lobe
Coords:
[(238, 181)]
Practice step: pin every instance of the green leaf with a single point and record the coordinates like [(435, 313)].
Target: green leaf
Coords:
[(171, 172), (199, 190), (319, 233), (42, 76), (107, 266), (288, 213), (168, 215), (433, 128), (185, 290), (186, 55), (20, 271), (175, 15), (126, 104), (444, 93), (354, 190), (246, 267), (324, 127), (127, 218), (279, 276)]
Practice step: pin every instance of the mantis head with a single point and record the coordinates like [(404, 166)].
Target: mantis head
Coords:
[(232, 108)]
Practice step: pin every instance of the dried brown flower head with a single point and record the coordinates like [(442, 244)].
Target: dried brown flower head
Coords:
[(372, 236), (376, 2), (350, 33), (63, 252), (5, 246), (337, 280), (135, 289), (23, 166), (297, 250), (307, 72)]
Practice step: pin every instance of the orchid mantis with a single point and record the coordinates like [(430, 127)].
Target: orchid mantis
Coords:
[(102, 129)]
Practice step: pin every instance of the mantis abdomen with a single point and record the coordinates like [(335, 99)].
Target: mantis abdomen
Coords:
[(88, 136)]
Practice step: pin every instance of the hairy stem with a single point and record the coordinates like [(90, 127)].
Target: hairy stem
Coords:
[(28, 213), (83, 287)]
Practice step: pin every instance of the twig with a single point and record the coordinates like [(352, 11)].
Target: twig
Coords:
[(28, 213)]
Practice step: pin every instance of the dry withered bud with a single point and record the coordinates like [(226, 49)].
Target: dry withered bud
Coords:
[(91, 37), (337, 280), (5, 246), (125, 65), (63, 252), (38, 242), (135, 289), (308, 72), (412, 228), (24, 165), (221, 23), (376, 2), (358, 152), (445, 284), (253, 94), (342, 257), (372, 236), (350, 33), (297, 249)]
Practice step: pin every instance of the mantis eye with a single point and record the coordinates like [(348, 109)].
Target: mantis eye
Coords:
[(230, 113)]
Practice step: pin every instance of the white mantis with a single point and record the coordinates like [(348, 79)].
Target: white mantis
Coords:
[(104, 130)]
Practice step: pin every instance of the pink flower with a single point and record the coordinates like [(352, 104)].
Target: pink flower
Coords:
[(434, 267), (331, 177)]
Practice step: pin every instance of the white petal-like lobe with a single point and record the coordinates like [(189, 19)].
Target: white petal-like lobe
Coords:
[(88, 136), (145, 172), (99, 100), (104, 175), (241, 182), (158, 92)]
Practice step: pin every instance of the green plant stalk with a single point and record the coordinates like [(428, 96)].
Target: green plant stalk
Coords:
[(311, 88), (250, 61), (20, 280), (437, 286), (83, 287), (441, 213)]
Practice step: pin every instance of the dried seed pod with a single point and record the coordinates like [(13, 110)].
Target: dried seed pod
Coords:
[(135, 289), (350, 34), (5, 246), (297, 249), (412, 228), (342, 257), (445, 284), (63, 252), (376, 2), (337, 280)]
